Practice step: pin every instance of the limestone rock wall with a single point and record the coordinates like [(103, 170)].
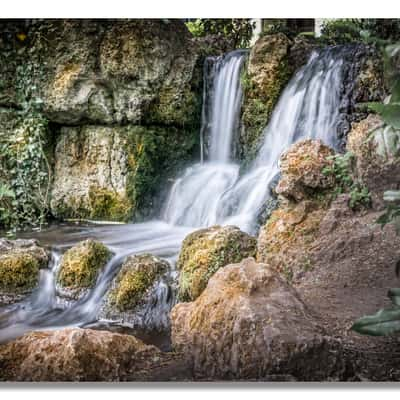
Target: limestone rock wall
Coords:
[(96, 82)]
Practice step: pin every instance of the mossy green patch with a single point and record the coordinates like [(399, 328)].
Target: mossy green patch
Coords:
[(108, 205), (205, 251), (80, 264), (154, 153), (259, 103), (136, 276), (19, 272)]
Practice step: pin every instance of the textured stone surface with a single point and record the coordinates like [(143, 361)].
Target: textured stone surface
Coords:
[(20, 261), (80, 265), (248, 323), (84, 355), (377, 150), (266, 76), (136, 277), (207, 250), (117, 71), (302, 170), (114, 172)]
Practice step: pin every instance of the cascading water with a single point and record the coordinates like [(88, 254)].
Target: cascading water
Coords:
[(195, 197), (207, 193)]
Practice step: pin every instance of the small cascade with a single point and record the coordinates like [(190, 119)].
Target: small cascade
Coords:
[(195, 197)]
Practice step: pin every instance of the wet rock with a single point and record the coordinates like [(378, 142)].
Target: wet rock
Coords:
[(267, 74), (249, 324), (84, 355), (80, 265), (113, 173), (207, 250), (20, 261), (141, 293), (302, 169), (377, 150)]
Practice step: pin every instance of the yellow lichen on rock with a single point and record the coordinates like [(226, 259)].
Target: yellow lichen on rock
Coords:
[(137, 275), (80, 264), (302, 168), (19, 272), (205, 251)]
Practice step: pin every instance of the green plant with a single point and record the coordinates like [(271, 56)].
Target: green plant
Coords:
[(341, 168), (385, 321), (24, 164), (390, 112), (340, 31), (237, 30)]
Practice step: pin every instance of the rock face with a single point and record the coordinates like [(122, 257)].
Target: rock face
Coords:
[(377, 150), (114, 92), (249, 324), (302, 169), (117, 71), (80, 266), (82, 355), (20, 261), (207, 250), (267, 73), (113, 172), (285, 239)]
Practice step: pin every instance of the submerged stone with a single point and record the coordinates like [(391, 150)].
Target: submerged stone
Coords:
[(207, 250)]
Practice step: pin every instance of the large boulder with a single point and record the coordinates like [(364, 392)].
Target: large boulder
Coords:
[(376, 147), (140, 294), (302, 168), (20, 261), (249, 324), (113, 173), (207, 250), (80, 266), (84, 355)]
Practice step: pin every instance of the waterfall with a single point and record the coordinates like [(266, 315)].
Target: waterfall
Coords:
[(207, 193), (195, 197)]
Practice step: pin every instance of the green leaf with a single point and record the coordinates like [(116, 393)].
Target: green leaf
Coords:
[(390, 113), (384, 322)]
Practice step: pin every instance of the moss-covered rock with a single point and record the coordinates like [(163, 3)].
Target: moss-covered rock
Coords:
[(207, 250), (135, 279), (81, 264), (20, 261), (109, 71), (268, 71)]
